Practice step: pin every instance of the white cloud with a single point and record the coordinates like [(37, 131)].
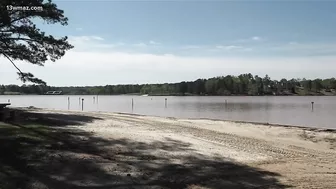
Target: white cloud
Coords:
[(89, 43), (114, 66), (154, 43), (247, 49), (101, 68), (216, 48), (293, 43), (98, 38), (192, 47), (220, 47), (251, 39), (256, 38), (77, 39), (229, 47), (146, 44), (310, 48), (140, 45), (198, 49)]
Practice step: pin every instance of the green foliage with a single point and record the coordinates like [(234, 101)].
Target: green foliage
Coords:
[(20, 39), (244, 84)]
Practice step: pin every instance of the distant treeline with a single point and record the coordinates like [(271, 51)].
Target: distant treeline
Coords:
[(244, 84)]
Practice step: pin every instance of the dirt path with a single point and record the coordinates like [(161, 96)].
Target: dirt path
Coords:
[(302, 158)]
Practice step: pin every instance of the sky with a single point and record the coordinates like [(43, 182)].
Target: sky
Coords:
[(129, 42)]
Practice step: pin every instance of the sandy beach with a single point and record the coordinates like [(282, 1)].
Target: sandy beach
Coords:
[(156, 152)]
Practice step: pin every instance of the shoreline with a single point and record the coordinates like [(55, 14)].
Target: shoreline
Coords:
[(242, 95), (317, 129), (308, 128)]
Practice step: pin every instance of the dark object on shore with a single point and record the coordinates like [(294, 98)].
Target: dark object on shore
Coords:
[(54, 93), (82, 104), (68, 103), (4, 112), (3, 105), (31, 108), (7, 113)]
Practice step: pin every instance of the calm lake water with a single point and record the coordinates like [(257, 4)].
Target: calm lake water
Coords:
[(280, 110)]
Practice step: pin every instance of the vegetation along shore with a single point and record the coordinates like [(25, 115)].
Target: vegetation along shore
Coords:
[(244, 84)]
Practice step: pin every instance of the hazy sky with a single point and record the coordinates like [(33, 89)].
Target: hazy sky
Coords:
[(169, 41)]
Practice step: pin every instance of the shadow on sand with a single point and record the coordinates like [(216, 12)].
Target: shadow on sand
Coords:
[(54, 119), (35, 153)]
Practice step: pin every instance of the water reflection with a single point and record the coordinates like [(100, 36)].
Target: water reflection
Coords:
[(281, 110), (238, 106)]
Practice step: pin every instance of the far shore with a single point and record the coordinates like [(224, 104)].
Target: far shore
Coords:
[(178, 95)]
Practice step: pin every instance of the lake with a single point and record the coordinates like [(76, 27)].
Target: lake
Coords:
[(289, 110)]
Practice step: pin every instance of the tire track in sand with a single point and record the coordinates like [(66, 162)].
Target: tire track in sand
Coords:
[(229, 140)]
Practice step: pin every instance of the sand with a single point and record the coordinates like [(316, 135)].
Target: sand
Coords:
[(298, 157)]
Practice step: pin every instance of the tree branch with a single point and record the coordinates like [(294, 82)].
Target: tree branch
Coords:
[(12, 63), (22, 39), (12, 21)]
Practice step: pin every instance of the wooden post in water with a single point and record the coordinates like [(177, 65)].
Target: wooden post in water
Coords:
[(82, 104), (132, 104), (94, 100), (165, 102), (68, 103), (79, 99), (312, 106), (8, 100)]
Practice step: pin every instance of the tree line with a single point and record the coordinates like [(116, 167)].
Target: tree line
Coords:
[(244, 84)]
